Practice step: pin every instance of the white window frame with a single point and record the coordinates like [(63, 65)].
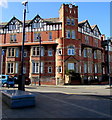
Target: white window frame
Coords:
[(72, 21), (16, 69), (85, 53), (71, 50), (13, 38), (36, 37), (36, 67), (59, 69), (50, 35), (73, 35), (10, 67), (49, 69), (71, 66), (59, 51), (37, 51), (85, 68), (68, 21), (68, 34), (25, 53), (11, 51), (50, 52)]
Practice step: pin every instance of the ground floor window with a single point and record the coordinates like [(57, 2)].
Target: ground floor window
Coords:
[(36, 67), (10, 68), (71, 66)]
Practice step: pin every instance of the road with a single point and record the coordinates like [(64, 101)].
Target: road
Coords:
[(57, 103)]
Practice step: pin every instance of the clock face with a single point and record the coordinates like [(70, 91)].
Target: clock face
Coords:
[(70, 5)]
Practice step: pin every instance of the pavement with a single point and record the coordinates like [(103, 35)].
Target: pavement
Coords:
[(61, 102)]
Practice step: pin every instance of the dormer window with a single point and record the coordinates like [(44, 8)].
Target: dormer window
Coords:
[(35, 25), (12, 27), (96, 33)]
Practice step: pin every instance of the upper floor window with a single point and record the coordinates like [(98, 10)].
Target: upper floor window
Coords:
[(13, 38), (59, 69), (86, 39), (95, 54), (68, 34), (96, 33), (96, 42), (50, 35), (35, 25), (59, 51), (86, 28), (68, 21), (17, 52), (73, 34), (85, 52), (71, 50), (49, 69), (11, 52), (25, 37), (72, 22), (36, 51), (13, 26), (37, 37), (50, 52), (25, 53)]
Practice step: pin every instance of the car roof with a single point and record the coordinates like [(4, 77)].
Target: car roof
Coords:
[(4, 75)]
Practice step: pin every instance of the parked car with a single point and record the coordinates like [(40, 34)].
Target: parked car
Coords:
[(3, 79), (10, 82), (27, 80), (7, 80)]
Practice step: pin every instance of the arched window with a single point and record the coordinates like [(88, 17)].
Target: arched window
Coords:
[(71, 50)]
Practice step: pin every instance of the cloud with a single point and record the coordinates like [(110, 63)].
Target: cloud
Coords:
[(3, 3)]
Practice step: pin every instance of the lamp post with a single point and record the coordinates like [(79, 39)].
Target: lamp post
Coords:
[(108, 65), (40, 60), (21, 76)]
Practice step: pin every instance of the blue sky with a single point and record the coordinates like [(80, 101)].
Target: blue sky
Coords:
[(96, 12)]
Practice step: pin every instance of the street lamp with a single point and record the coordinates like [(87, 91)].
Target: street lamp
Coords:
[(21, 77), (39, 36)]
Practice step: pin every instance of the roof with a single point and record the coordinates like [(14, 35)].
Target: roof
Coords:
[(52, 20), (93, 26), (80, 24)]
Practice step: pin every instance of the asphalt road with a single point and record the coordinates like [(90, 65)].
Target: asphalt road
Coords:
[(52, 104)]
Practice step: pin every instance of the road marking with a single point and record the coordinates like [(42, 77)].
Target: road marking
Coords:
[(81, 107), (84, 108)]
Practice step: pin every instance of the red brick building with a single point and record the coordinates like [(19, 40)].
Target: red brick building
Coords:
[(67, 46)]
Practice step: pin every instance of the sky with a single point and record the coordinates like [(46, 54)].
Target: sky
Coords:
[(95, 12)]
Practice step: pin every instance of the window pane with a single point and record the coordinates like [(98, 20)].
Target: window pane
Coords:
[(73, 34), (50, 35), (70, 66), (12, 51), (17, 52)]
